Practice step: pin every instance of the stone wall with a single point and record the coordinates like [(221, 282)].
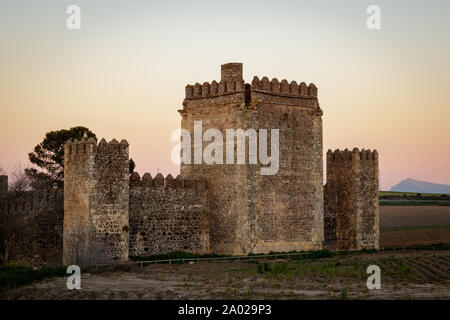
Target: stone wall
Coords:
[(289, 204), (369, 218), (351, 200), (32, 226), (221, 106), (96, 202), (250, 212), (218, 208), (168, 215)]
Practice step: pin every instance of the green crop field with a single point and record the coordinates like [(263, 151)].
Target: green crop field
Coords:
[(411, 194), (391, 198)]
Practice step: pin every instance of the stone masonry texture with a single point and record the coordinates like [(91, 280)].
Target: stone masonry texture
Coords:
[(108, 216), (35, 223), (252, 213), (351, 200), (96, 202), (168, 214)]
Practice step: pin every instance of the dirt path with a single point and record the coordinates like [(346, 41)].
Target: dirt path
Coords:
[(405, 275), (399, 216), (419, 236)]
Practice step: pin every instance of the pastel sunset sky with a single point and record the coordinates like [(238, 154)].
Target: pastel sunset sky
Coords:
[(123, 74)]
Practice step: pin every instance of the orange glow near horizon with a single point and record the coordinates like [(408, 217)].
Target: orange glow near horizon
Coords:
[(123, 74)]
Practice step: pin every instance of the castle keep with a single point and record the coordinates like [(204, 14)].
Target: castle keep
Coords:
[(224, 208), (251, 212)]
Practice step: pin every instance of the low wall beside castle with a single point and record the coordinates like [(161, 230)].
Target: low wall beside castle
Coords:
[(32, 227), (168, 214), (165, 214)]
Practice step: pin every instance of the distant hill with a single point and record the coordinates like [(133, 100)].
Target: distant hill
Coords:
[(412, 185)]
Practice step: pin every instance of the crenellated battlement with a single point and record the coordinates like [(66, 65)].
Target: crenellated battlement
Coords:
[(83, 146), (231, 82), (159, 182), (214, 89), (78, 147), (344, 155), (284, 88), (34, 200), (233, 91)]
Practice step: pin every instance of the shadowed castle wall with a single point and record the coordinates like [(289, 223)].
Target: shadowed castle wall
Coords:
[(351, 200), (168, 215), (34, 224)]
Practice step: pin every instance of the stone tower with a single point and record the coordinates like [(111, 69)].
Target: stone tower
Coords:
[(96, 202), (351, 200), (250, 212)]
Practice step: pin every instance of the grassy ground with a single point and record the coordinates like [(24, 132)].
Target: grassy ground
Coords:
[(405, 275), (12, 276), (390, 198), (319, 275), (423, 203)]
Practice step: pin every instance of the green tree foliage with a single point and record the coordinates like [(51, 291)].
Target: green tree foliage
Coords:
[(49, 156), (132, 165)]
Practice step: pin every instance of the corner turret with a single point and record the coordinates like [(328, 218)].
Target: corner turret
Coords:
[(96, 200)]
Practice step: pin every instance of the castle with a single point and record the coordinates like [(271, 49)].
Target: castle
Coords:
[(224, 208)]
